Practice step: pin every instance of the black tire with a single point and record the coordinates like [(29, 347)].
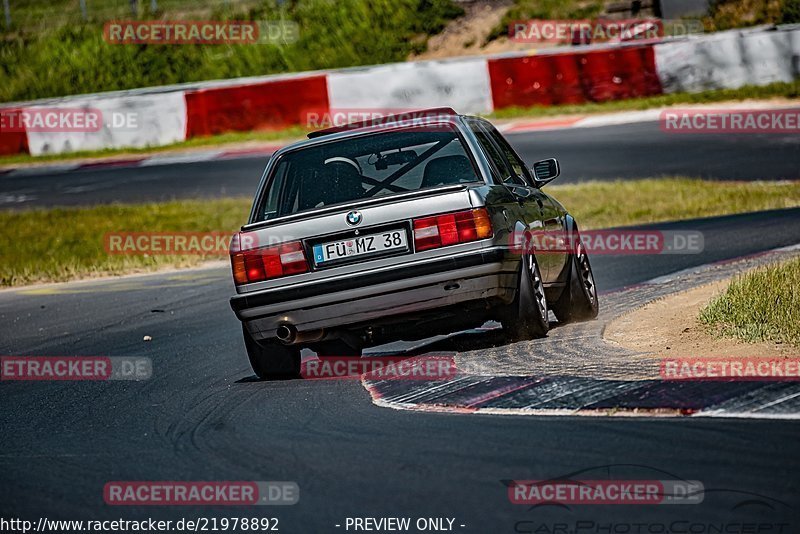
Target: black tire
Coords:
[(578, 301), (272, 360), (526, 317)]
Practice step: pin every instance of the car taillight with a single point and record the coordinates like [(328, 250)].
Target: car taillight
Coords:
[(451, 229), (262, 264)]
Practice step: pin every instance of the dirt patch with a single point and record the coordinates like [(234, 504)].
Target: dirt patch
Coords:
[(669, 328), (466, 35)]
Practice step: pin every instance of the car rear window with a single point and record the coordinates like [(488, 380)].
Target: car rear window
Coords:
[(364, 167)]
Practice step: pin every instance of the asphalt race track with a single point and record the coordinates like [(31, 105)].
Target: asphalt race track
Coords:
[(627, 151), (203, 416)]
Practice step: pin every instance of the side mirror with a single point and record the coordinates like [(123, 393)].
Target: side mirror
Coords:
[(545, 171)]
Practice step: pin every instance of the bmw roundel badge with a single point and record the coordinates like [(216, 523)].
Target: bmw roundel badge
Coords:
[(354, 218)]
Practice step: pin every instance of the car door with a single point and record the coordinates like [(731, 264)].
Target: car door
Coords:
[(552, 261), (528, 210)]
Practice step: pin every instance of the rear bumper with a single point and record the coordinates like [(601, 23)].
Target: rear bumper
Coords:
[(483, 274)]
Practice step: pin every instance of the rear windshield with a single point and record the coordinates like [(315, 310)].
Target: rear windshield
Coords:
[(366, 167)]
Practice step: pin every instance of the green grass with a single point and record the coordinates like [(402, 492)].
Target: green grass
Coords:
[(75, 59), (50, 51), (773, 90), (68, 243), (730, 14), (628, 202), (763, 305), (32, 16)]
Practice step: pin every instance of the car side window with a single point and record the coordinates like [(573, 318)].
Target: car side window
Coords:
[(513, 159), (507, 173), (271, 206), (498, 164)]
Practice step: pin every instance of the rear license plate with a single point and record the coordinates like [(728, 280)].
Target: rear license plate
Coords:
[(361, 246)]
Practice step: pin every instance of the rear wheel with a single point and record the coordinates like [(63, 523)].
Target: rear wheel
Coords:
[(272, 360), (578, 301), (526, 317)]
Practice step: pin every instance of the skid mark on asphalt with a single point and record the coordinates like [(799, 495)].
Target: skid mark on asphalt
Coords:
[(574, 371)]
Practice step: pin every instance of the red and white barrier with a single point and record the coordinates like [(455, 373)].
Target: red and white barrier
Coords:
[(133, 121), (472, 85), (461, 84), (574, 77), (270, 104), (728, 60)]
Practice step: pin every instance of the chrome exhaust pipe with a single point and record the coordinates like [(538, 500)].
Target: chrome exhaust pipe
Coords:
[(289, 335), (286, 333)]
